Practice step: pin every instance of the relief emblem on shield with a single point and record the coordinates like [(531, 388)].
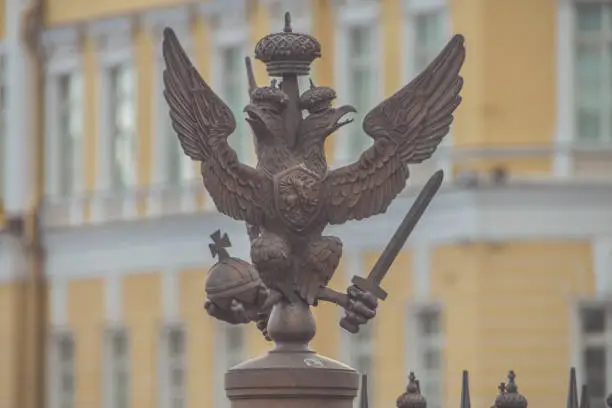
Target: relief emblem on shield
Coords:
[(297, 196)]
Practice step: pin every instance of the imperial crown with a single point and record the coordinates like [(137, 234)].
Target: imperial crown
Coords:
[(288, 52), (317, 99), (270, 96)]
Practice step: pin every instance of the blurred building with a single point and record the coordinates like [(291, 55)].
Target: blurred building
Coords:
[(511, 268)]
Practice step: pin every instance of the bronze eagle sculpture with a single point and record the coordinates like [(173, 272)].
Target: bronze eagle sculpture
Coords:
[(291, 195)]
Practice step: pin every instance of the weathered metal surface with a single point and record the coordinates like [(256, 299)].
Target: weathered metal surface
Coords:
[(290, 197)]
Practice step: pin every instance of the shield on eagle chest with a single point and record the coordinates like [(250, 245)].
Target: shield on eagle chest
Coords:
[(297, 196)]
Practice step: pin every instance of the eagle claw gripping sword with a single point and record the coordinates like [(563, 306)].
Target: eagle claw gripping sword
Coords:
[(372, 283)]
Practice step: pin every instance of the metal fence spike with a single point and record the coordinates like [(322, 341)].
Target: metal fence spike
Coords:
[(363, 397), (584, 397), (572, 393), (465, 391)]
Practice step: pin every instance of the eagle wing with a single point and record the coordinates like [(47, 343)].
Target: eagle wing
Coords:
[(203, 122), (407, 128)]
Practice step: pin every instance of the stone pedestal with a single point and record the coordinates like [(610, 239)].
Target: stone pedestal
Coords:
[(291, 375)]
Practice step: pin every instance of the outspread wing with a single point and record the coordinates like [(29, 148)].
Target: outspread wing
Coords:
[(203, 122), (407, 128)]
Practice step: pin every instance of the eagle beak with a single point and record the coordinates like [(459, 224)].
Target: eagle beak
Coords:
[(340, 114), (253, 115)]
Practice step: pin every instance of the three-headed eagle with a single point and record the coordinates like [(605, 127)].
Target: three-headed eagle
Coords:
[(291, 195)]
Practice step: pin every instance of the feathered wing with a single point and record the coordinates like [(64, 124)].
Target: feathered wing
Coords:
[(407, 128), (203, 122)]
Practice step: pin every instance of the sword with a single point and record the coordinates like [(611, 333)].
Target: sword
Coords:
[(371, 284)]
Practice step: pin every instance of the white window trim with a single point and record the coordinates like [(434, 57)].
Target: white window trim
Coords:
[(412, 346), (115, 47), (566, 120), (602, 262), (62, 52), (577, 338), (348, 15), (230, 19), (164, 364), (442, 156), (107, 361), (565, 139), (55, 335), (177, 18)]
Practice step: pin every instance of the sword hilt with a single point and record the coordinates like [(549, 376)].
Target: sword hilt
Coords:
[(368, 285)]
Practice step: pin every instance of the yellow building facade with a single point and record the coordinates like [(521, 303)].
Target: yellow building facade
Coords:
[(511, 267)]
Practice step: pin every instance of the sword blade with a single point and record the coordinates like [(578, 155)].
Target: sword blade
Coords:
[(400, 237)]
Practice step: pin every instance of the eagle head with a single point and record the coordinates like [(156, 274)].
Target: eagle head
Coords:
[(265, 113), (323, 119)]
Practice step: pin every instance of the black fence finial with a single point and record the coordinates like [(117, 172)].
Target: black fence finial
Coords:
[(572, 392), (584, 397), (363, 397), (509, 397), (465, 391)]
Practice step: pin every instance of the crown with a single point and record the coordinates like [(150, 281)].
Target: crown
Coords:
[(412, 398), (509, 396), (288, 52), (317, 98), (270, 96)]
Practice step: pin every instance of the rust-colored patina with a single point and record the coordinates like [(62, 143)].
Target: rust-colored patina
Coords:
[(290, 197)]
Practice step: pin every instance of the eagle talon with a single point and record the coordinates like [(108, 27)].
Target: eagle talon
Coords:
[(361, 307)]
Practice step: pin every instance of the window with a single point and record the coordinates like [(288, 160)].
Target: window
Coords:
[(173, 368), (69, 110), (122, 121), (180, 168), (596, 352), (429, 37), (361, 77), (426, 30), (234, 91), (429, 368), (593, 70), (62, 377), (358, 72), (360, 346), (117, 373), (175, 167)]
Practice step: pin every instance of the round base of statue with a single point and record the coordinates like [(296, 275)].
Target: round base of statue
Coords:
[(291, 375)]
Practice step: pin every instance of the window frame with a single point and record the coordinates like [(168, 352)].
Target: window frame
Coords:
[(579, 342), (53, 386), (412, 8), (114, 41), (566, 141), (415, 344), (348, 15), (231, 29), (62, 57), (165, 369), (178, 18), (109, 367)]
